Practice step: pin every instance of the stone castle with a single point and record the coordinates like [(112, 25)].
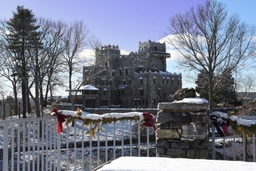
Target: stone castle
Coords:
[(139, 79)]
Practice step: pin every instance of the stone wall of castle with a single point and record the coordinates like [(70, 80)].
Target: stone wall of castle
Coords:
[(139, 79)]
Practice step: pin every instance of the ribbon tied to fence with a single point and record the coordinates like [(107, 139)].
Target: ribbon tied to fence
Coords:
[(220, 124), (149, 120), (61, 119)]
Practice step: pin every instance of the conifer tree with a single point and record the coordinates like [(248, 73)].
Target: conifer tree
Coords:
[(223, 87), (23, 41)]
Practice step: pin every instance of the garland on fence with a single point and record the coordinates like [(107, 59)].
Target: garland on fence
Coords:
[(238, 125), (94, 120), (249, 130)]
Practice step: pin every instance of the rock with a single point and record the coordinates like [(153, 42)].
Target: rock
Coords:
[(184, 93)]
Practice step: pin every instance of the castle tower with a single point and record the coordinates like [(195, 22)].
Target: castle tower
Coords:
[(155, 54), (106, 54)]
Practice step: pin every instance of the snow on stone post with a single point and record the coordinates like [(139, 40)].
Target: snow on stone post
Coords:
[(183, 129)]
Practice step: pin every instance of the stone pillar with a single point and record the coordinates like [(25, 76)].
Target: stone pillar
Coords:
[(182, 130)]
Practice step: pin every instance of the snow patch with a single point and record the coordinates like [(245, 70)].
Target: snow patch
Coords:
[(192, 100)]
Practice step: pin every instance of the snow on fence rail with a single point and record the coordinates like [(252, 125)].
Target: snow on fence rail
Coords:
[(35, 144), (240, 142)]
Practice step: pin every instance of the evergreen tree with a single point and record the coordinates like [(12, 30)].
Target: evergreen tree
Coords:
[(202, 85), (23, 42), (223, 88)]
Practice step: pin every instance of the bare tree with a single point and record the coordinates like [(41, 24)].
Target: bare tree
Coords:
[(8, 71), (94, 43), (50, 56), (210, 40), (245, 84), (75, 40), (9, 65), (88, 62)]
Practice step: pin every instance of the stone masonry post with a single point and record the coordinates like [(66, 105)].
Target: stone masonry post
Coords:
[(182, 130)]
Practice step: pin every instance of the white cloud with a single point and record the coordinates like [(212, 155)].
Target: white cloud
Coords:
[(172, 63), (175, 55), (87, 53), (85, 58), (123, 52)]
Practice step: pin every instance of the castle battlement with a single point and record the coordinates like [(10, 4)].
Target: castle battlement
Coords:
[(152, 46), (109, 47)]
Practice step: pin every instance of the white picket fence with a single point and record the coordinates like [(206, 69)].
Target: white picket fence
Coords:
[(33, 144)]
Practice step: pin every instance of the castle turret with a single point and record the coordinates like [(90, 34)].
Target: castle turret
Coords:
[(105, 54), (156, 55)]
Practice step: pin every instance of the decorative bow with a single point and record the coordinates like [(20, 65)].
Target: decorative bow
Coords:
[(149, 120), (61, 119), (220, 124)]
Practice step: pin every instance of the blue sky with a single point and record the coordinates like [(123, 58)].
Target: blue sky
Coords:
[(115, 22), (123, 22)]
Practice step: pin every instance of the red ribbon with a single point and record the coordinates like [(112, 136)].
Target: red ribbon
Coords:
[(149, 120), (220, 124), (61, 119)]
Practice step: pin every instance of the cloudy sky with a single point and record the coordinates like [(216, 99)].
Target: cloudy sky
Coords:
[(124, 22)]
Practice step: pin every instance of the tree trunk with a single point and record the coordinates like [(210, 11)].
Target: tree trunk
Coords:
[(24, 92)]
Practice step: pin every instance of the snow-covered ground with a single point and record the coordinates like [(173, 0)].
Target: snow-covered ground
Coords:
[(178, 164)]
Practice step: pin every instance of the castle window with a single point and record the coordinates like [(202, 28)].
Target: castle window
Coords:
[(155, 48), (126, 71), (120, 72), (141, 92), (141, 81), (113, 74), (159, 91), (104, 72), (121, 92), (106, 64)]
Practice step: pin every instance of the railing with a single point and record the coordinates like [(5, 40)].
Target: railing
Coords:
[(233, 147), (33, 144)]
